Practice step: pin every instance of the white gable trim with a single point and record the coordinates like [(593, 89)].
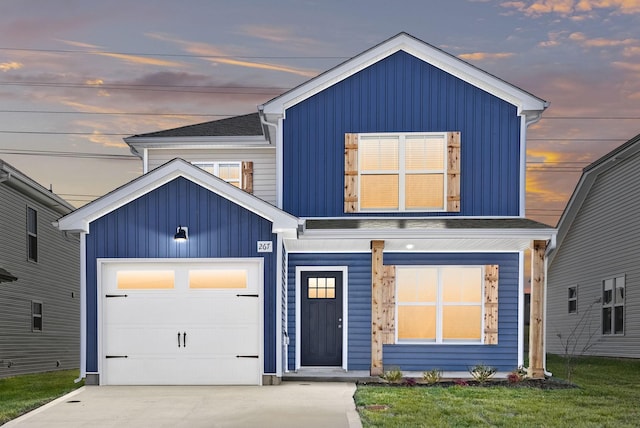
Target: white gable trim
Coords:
[(527, 103), (79, 220)]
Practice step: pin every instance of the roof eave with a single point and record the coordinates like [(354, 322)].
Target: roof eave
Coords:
[(589, 175), (31, 188)]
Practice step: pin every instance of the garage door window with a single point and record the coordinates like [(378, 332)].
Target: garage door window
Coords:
[(217, 279), (145, 279)]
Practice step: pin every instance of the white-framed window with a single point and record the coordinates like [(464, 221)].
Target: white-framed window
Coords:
[(439, 304), (402, 171), (32, 234), (36, 316), (613, 298), (231, 172), (572, 299)]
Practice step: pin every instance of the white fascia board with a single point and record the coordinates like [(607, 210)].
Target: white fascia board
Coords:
[(79, 220), (527, 103), (138, 143)]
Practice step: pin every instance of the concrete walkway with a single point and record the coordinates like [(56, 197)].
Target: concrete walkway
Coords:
[(292, 404)]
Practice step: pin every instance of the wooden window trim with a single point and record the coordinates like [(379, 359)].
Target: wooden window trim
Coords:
[(452, 174), (491, 274)]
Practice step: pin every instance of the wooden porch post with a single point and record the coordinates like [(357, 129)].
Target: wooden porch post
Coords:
[(377, 272), (536, 324)]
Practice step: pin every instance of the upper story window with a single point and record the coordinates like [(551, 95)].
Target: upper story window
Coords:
[(613, 305), (402, 172), (231, 172), (32, 234)]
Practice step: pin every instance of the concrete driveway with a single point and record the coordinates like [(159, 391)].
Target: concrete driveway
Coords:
[(292, 404)]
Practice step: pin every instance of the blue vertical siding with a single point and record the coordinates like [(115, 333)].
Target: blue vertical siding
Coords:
[(401, 94), (503, 356), (144, 228), (359, 297)]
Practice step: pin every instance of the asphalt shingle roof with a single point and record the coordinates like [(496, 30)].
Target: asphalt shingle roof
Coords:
[(439, 223), (237, 126)]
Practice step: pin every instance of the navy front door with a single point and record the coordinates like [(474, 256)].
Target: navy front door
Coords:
[(321, 318)]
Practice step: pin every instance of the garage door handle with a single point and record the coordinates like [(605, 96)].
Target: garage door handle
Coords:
[(115, 295), (247, 356), (247, 295), (116, 356), (184, 339)]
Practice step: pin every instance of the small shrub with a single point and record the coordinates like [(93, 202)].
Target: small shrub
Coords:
[(518, 375), (409, 382), (482, 373), (432, 376), (461, 382), (392, 375)]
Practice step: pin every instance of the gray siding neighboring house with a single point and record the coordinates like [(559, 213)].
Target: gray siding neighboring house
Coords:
[(594, 273), (39, 279)]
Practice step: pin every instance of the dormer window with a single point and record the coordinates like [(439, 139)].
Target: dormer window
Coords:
[(401, 172)]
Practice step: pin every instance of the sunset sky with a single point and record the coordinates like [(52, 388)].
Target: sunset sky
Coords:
[(77, 76)]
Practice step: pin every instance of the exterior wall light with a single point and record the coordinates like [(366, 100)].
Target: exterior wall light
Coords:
[(181, 234)]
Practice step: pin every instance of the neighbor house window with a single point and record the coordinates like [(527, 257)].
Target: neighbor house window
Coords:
[(32, 234), (231, 172), (613, 305), (402, 172), (439, 304), (572, 299), (36, 316)]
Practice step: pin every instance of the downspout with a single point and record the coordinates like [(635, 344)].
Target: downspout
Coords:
[(529, 117), (277, 127), (550, 248), (83, 307), (279, 308)]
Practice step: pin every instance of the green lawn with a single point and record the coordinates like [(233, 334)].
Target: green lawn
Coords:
[(608, 395), (21, 394)]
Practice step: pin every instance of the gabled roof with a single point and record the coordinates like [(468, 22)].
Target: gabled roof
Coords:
[(527, 103), (589, 176), (79, 220), (245, 131), (237, 126), (30, 188)]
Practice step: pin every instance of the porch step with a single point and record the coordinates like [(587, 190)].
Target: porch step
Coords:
[(329, 375)]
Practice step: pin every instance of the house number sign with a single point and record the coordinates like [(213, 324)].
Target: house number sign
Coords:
[(265, 247)]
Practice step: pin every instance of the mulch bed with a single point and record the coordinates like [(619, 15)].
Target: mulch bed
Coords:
[(547, 384)]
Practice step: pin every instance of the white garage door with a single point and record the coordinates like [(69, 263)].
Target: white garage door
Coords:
[(181, 323)]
